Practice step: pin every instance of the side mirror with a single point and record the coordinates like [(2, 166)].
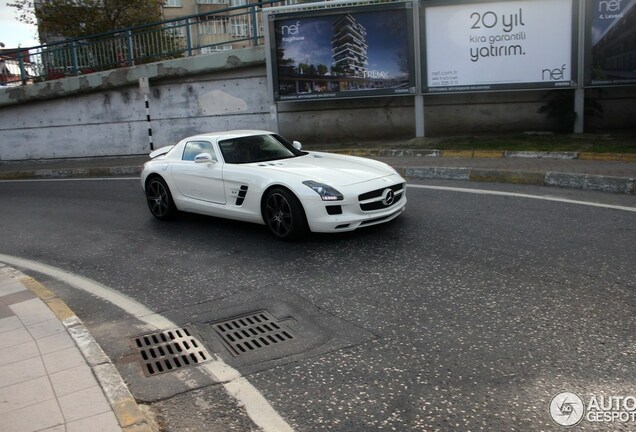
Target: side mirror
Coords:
[(204, 158), (297, 145)]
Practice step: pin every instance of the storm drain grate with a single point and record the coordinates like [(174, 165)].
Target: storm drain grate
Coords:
[(168, 350), (251, 332)]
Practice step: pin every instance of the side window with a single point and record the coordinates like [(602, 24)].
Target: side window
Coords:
[(194, 148)]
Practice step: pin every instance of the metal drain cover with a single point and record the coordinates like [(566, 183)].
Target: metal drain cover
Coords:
[(168, 350), (252, 332)]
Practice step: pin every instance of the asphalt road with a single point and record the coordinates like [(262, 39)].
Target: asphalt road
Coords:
[(469, 312)]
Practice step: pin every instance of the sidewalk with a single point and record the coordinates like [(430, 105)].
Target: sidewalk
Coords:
[(614, 173), (53, 375)]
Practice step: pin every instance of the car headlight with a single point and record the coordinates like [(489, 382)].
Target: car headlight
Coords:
[(326, 192)]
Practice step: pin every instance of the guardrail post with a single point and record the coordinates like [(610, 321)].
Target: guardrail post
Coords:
[(129, 44), (23, 74), (74, 58), (254, 26), (188, 37)]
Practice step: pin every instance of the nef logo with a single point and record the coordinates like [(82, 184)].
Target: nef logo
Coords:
[(609, 9), (290, 30), (557, 74), (609, 6)]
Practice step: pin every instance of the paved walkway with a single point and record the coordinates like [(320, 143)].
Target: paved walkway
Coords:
[(53, 375)]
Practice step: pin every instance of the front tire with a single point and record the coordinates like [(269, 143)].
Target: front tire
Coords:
[(284, 215), (159, 199)]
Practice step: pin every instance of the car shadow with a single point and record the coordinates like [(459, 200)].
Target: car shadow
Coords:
[(196, 226)]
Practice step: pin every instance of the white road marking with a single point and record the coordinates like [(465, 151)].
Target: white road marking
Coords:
[(256, 406), (520, 195)]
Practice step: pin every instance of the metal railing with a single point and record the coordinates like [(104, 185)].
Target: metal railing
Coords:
[(219, 30)]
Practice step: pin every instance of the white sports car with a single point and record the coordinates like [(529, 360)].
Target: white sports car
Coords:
[(258, 176)]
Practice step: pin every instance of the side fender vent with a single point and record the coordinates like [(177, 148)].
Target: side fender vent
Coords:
[(241, 195)]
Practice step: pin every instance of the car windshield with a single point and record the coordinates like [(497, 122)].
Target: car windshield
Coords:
[(257, 148)]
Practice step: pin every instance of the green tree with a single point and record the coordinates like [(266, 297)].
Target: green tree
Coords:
[(303, 68), (76, 18)]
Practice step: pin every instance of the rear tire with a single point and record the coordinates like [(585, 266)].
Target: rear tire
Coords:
[(284, 215), (159, 199)]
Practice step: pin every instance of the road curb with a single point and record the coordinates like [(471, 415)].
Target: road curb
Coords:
[(620, 157), (601, 183), (620, 185), (477, 154), (504, 176), (591, 182), (124, 406), (71, 173)]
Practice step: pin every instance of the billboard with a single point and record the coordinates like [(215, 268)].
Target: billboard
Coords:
[(611, 46), (342, 52), (518, 44)]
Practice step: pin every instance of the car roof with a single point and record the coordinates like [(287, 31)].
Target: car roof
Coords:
[(230, 134)]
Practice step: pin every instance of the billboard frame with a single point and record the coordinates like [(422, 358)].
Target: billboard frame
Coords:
[(480, 88), (334, 8), (588, 81)]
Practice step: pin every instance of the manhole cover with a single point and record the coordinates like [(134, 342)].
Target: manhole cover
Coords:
[(251, 332), (168, 350)]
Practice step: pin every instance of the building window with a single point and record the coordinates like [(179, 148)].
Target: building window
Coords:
[(237, 3), (176, 29), (239, 28), (216, 26), (216, 48), (212, 1), (173, 3)]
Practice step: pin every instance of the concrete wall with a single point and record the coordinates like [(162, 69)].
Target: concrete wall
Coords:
[(113, 122), (104, 113)]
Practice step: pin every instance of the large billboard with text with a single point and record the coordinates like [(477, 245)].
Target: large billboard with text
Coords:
[(342, 52), (611, 42), (518, 44)]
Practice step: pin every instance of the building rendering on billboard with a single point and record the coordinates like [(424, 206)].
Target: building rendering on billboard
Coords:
[(498, 45), (342, 52), (611, 53), (349, 46)]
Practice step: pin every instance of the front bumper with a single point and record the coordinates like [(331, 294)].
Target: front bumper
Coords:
[(349, 214)]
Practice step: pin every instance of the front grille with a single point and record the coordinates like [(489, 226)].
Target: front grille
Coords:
[(377, 199)]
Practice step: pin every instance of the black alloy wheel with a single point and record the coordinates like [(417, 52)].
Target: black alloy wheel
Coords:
[(284, 215), (159, 199)]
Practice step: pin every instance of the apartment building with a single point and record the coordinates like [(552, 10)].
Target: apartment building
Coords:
[(181, 8), (215, 32)]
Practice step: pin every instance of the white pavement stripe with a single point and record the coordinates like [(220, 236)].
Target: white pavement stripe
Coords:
[(256, 406), (520, 195)]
